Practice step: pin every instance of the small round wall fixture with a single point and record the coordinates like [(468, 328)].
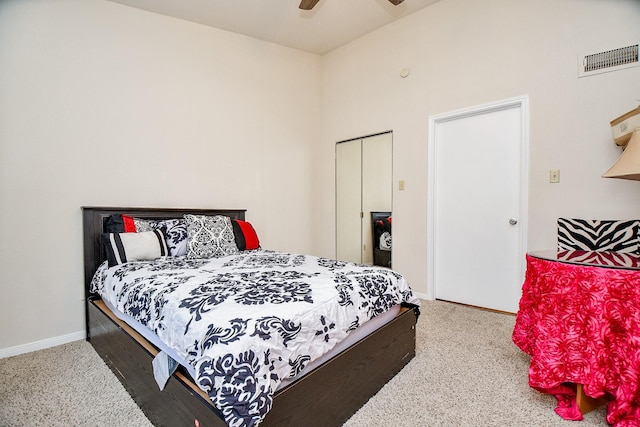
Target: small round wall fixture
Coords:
[(404, 72)]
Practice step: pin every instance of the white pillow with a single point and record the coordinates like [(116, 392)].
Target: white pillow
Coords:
[(125, 247)]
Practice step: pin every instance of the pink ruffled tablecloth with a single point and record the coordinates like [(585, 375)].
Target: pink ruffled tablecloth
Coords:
[(581, 325)]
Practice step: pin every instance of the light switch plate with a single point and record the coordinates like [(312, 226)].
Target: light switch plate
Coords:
[(554, 176)]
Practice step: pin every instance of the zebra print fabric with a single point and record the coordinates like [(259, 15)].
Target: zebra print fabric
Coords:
[(598, 235)]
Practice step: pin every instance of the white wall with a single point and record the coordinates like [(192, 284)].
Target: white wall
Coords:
[(463, 53), (102, 104)]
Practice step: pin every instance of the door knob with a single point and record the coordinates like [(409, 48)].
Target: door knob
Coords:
[(513, 221)]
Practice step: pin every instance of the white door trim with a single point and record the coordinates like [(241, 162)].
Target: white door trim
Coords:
[(521, 102)]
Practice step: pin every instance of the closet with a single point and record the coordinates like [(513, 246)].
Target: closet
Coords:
[(364, 184)]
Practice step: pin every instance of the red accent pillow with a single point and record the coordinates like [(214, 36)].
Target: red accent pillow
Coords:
[(129, 224), (249, 234), (117, 223)]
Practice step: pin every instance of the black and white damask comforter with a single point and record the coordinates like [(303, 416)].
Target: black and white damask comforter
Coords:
[(245, 322)]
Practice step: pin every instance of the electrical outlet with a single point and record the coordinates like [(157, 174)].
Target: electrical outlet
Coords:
[(554, 176)]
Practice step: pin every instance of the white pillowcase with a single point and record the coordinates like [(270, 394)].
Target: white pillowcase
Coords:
[(125, 247)]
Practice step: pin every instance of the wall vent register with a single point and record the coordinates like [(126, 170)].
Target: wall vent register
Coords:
[(610, 60)]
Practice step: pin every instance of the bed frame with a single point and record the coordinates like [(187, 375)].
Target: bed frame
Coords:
[(327, 396)]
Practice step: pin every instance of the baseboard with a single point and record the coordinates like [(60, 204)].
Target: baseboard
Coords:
[(421, 295), (42, 344)]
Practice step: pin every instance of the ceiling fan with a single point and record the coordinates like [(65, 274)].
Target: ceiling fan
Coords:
[(308, 4)]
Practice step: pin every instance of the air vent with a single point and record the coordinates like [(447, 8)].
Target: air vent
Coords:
[(610, 60)]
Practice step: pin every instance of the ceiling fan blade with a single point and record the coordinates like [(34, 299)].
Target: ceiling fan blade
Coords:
[(308, 4), (395, 2)]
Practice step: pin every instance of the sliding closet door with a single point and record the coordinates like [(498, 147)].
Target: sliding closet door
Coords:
[(348, 200), (363, 185), (377, 185)]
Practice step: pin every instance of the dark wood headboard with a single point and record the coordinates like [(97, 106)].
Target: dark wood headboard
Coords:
[(94, 218)]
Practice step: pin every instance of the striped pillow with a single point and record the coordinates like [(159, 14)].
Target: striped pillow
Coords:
[(125, 247), (598, 235)]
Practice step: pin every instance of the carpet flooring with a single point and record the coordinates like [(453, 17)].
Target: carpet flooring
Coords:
[(467, 372)]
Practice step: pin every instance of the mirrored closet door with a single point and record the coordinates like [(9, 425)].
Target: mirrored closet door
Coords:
[(364, 187)]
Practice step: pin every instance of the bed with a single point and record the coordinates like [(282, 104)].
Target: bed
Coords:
[(327, 395)]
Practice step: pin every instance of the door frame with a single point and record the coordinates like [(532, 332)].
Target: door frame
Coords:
[(521, 102)]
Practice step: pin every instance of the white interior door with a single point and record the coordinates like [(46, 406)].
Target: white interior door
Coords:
[(478, 206)]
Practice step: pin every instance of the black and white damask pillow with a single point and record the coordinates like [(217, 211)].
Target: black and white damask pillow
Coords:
[(175, 232), (209, 236)]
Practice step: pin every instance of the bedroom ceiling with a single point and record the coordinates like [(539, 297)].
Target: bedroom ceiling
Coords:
[(330, 24)]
